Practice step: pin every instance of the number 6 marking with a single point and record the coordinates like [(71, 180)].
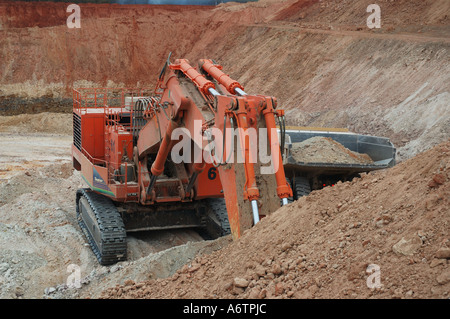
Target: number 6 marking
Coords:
[(212, 173)]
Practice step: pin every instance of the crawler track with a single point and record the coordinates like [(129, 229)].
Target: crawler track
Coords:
[(219, 215), (102, 225)]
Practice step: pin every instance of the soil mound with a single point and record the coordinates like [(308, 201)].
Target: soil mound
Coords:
[(328, 244), (325, 150)]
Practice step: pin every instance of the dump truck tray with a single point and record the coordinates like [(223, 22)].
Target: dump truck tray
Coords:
[(380, 150)]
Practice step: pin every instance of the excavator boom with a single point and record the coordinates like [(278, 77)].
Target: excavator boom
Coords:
[(228, 108)]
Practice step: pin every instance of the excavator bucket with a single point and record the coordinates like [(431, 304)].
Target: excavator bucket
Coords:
[(249, 192)]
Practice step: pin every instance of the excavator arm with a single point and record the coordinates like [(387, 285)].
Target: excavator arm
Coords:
[(189, 96)]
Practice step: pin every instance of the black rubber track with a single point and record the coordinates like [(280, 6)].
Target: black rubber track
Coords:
[(112, 247), (219, 208)]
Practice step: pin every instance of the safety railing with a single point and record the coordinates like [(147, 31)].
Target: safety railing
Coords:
[(118, 98)]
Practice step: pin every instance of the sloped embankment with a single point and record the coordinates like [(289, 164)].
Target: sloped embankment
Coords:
[(321, 245)]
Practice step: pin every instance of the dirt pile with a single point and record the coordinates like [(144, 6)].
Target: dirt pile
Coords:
[(326, 150), (320, 246), (38, 236)]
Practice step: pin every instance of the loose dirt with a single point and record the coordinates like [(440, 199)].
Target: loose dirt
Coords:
[(326, 150), (39, 234), (322, 245)]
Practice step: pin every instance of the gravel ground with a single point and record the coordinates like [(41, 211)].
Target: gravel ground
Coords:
[(40, 238)]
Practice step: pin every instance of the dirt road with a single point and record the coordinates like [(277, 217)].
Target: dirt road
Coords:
[(339, 31), (20, 153)]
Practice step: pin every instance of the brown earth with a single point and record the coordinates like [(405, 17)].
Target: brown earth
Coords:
[(321, 245), (57, 123), (326, 150), (352, 14)]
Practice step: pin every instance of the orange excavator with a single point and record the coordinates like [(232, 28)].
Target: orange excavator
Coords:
[(196, 151)]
